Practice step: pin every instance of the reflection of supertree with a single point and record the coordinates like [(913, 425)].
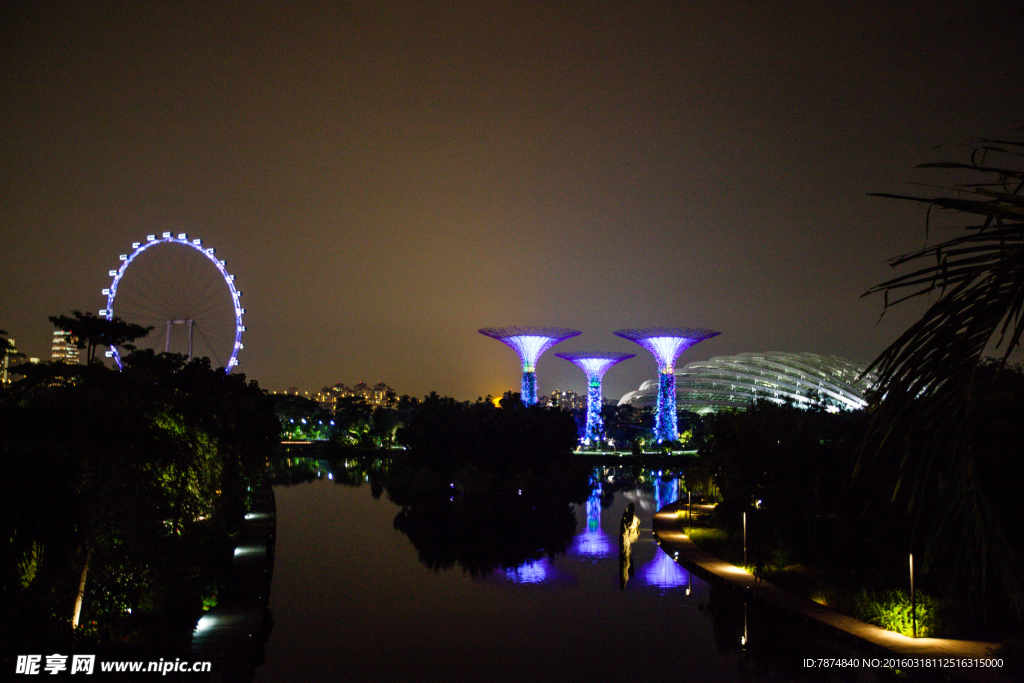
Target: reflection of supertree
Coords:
[(533, 571), (664, 572), (530, 343), (665, 344), (665, 492), (594, 365), (592, 541)]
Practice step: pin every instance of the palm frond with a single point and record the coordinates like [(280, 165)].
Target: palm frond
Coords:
[(919, 438)]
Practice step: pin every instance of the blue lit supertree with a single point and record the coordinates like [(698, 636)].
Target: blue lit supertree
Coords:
[(530, 343), (665, 344), (594, 365)]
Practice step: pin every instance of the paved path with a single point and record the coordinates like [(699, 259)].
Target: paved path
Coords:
[(230, 635), (687, 553)]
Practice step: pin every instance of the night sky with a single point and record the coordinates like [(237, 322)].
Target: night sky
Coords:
[(386, 178)]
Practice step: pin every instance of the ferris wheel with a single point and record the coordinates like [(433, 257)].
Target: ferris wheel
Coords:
[(177, 286)]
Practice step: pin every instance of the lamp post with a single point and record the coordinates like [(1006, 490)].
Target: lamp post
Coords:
[(744, 539), (913, 598)]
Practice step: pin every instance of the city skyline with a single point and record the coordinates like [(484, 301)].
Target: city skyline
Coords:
[(384, 181)]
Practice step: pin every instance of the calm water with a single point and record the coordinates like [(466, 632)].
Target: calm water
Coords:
[(353, 600)]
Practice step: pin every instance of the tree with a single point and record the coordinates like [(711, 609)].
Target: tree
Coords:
[(90, 331), (919, 434)]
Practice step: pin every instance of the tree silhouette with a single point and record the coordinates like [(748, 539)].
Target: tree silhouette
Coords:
[(90, 331), (919, 435)]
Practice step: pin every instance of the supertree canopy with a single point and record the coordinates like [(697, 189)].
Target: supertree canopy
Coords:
[(594, 365), (530, 343), (665, 344)]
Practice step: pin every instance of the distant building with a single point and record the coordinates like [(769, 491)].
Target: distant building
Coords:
[(377, 395), (5, 377), (380, 394), (64, 349), (567, 400)]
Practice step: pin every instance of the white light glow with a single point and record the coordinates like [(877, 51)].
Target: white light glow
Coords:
[(206, 621), (666, 349)]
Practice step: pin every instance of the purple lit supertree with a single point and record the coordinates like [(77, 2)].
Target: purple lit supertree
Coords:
[(665, 344), (530, 343), (594, 365)]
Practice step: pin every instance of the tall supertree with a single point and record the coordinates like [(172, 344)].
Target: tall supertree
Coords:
[(530, 343), (594, 365), (665, 344)]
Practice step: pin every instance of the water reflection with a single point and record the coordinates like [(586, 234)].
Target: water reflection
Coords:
[(517, 586), (664, 572), (529, 572), (629, 531), (593, 542), (487, 535), (666, 491)]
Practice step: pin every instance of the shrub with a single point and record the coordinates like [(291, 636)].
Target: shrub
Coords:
[(891, 610)]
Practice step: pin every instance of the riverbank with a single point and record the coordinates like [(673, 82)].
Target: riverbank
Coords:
[(715, 570), (231, 635)]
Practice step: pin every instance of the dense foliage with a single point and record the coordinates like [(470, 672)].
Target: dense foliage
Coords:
[(793, 472), (353, 422), (503, 441), (788, 469), (923, 438), (129, 484)]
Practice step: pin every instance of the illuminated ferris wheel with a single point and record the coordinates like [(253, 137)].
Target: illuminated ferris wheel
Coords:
[(177, 286)]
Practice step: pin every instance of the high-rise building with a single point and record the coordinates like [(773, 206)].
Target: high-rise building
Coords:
[(10, 350), (64, 349)]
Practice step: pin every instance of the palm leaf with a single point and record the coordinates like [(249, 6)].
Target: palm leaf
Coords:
[(918, 440)]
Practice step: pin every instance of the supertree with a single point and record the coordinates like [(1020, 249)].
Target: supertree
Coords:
[(594, 365), (665, 344), (530, 343)]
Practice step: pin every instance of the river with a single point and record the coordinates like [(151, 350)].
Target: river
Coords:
[(353, 598)]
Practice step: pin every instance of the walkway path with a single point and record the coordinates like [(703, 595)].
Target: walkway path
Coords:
[(231, 634), (711, 568)]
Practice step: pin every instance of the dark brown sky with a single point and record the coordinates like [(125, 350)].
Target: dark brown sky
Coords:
[(385, 178)]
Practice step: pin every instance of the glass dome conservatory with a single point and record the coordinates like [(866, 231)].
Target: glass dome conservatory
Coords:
[(730, 382)]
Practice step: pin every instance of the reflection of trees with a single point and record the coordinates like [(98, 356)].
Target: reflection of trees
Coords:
[(770, 645), (487, 534), (330, 463)]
